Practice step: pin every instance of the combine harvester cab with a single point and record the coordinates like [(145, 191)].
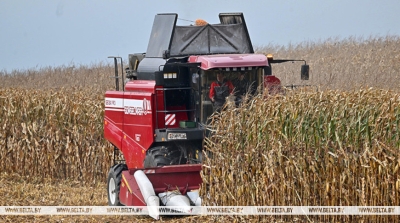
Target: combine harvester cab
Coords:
[(158, 121)]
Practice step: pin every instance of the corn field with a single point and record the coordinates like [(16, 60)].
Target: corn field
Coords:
[(53, 134), (333, 144), (307, 149), (343, 64)]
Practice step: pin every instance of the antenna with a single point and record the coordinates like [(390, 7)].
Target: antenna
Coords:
[(186, 20)]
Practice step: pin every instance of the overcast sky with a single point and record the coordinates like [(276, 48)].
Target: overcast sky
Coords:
[(41, 33)]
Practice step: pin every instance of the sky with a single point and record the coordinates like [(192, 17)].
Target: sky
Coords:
[(40, 33)]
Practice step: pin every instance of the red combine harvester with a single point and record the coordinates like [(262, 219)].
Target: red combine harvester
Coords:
[(158, 120)]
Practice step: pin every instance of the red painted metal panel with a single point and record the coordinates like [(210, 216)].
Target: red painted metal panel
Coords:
[(113, 117), (146, 86), (138, 119), (159, 102), (138, 127), (271, 80), (130, 194), (130, 120), (134, 153), (272, 84), (112, 133), (184, 177), (229, 60)]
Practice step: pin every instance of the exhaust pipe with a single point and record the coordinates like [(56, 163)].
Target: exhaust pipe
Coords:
[(147, 190)]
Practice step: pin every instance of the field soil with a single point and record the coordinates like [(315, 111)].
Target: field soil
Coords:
[(15, 190)]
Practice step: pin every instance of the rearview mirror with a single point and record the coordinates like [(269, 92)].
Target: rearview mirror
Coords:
[(305, 72)]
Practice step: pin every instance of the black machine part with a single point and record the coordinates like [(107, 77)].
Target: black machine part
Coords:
[(134, 60), (168, 40), (305, 69)]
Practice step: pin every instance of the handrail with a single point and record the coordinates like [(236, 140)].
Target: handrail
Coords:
[(178, 88), (165, 111), (116, 73), (176, 110)]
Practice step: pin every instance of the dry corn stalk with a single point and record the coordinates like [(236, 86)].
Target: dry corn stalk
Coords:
[(56, 134), (307, 148)]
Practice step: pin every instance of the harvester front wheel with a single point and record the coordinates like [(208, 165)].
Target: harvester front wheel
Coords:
[(113, 184), (162, 156)]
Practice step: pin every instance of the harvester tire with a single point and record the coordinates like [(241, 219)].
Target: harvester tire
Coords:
[(113, 184), (162, 156)]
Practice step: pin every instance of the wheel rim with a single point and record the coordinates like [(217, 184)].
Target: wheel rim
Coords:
[(111, 190)]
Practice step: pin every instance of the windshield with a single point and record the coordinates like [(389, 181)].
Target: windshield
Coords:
[(242, 81)]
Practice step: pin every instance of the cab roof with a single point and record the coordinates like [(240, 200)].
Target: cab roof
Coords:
[(229, 60)]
